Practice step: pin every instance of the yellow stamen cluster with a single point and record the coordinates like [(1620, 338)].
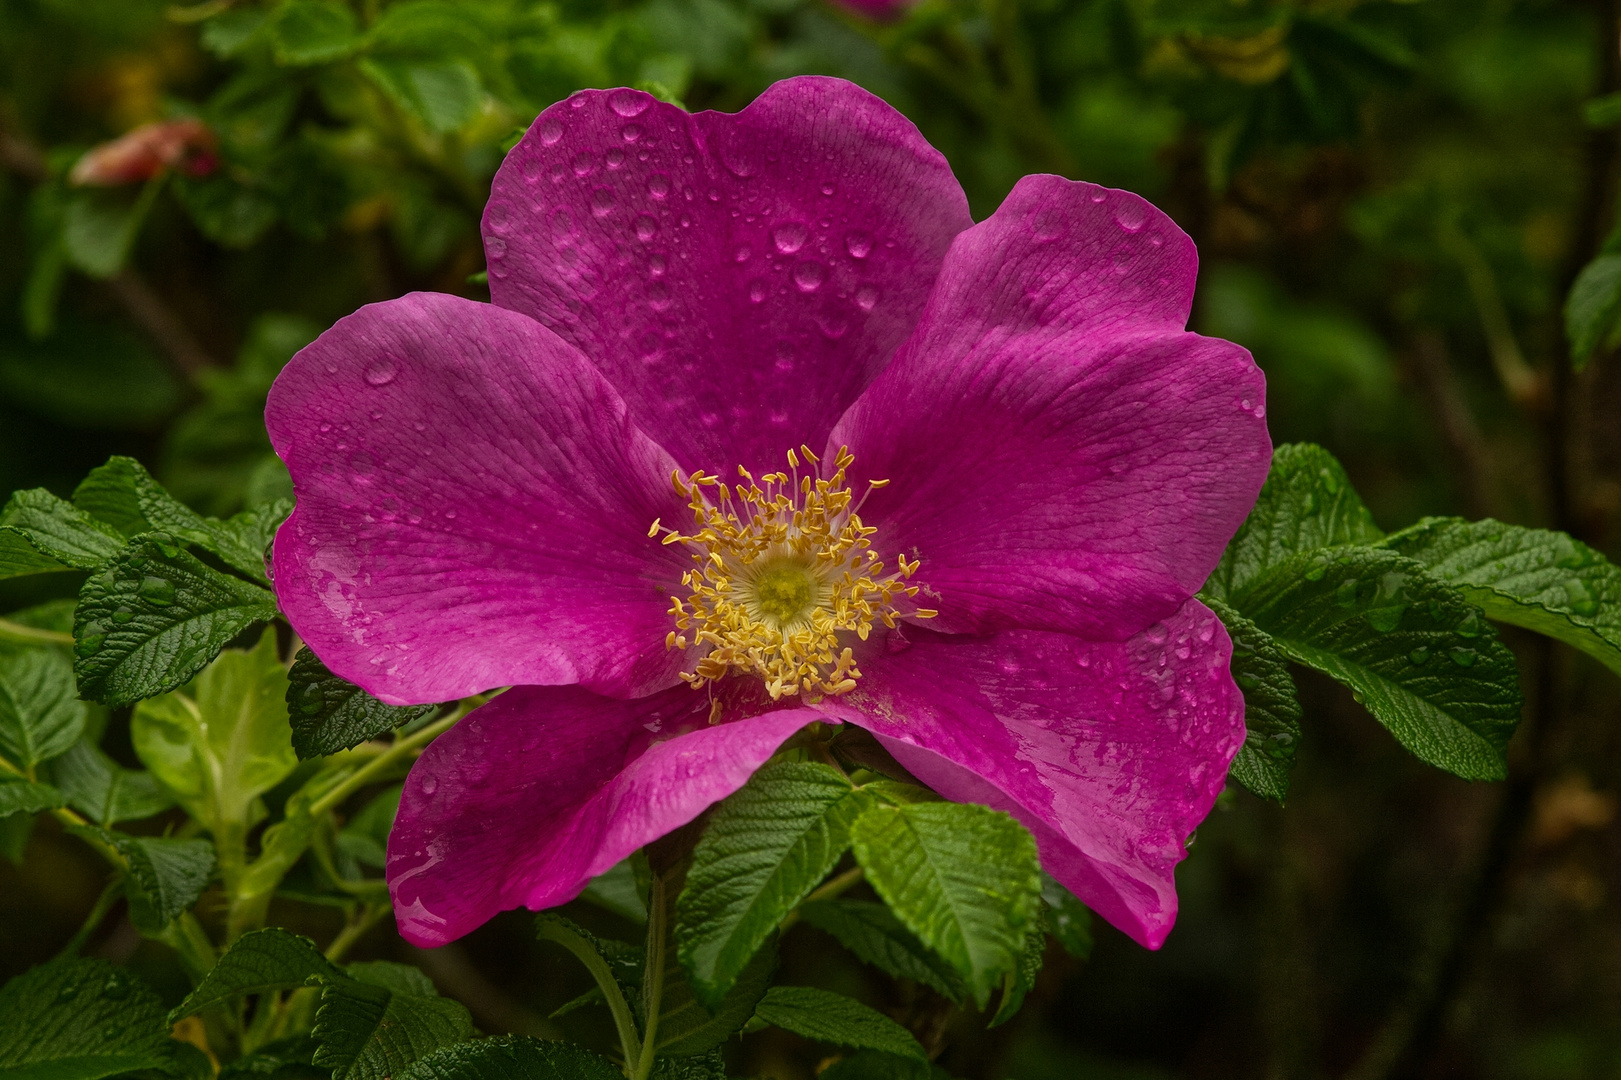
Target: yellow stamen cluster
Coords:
[(782, 567)]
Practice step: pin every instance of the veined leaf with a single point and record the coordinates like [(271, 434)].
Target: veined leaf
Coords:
[(1306, 503), (1418, 656), (512, 1057), (166, 876), (765, 848), (260, 960), (19, 796), (104, 789), (1271, 707), (1593, 309), (877, 937), (19, 557), (154, 617), (1542, 580), (313, 31), (834, 1018), (1019, 982), (370, 1030), (40, 713), (222, 741), (330, 714), (687, 1028), (59, 530), (80, 1019), (965, 879)]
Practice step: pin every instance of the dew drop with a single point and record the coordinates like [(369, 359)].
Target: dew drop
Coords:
[(631, 132), (628, 103), (1462, 657), (429, 785), (499, 217), (1419, 656), (583, 163), (809, 275), (117, 986), (828, 189), (1318, 568), (123, 615), (381, 372), (741, 254), (602, 202), (1469, 626), (656, 265), (1345, 593), (658, 296), (159, 592), (1048, 226), (867, 297), (614, 158), (789, 237), (646, 228), (756, 291), (858, 243), (550, 132), (1131, 214)]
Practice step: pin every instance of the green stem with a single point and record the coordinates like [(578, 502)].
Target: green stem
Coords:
[(381, 764), (630, 1044), (104, 903), (828, 890), (653, 981), (29, 635), (355, 929)]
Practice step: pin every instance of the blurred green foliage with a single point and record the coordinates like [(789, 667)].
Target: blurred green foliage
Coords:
[(1392, 201)]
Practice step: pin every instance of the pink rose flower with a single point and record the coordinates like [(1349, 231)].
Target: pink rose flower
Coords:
[(995, 578), (141, 154)]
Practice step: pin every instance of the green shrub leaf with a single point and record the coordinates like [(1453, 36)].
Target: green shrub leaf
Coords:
[(369, 1030), (834, 1018), (330, 714), (41, 716), (965, 879), (1271, 707), (765, 848), (59, 530), (512, 1057), (877, 937), (104, 789), (260, 960), (166, 876), (1544, 581), (1593, 309)]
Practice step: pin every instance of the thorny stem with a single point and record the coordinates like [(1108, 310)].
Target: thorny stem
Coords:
[(653, 981), (630, 1044)]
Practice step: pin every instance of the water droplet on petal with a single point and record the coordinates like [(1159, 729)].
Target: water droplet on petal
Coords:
[(789, 237), (858, 243), (809, 275), (499, 217), (614, 158), (1130, 213), (628, 103), (583, 163), (646, 228), (381, 372), (867, 297), (756, 291), (550, 131), (429, 785), (602, 202), (631, 132)]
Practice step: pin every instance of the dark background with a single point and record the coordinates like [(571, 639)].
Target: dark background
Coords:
[(1390, 200)]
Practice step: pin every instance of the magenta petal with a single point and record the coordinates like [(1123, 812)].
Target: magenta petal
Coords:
[(544, 788), (739, 277), (1062, 455), (1110, 753), (473, 508)]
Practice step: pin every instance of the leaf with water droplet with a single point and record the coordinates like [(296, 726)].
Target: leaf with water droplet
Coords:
[(330, 714), (1271, 707), (1306, 505), (1458, 718), (1533, 578), (185, 612)]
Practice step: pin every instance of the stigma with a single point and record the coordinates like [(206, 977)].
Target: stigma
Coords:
[(783, 579)]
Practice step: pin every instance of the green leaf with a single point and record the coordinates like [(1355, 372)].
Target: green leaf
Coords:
[(1069, 920), (1416, 653), (513, 1057), (124, 495), (284, 1059), (686, 1027), (59, 530), (877, 937), (1271, 707), (965, 879), (443, 94), (313, 32), (19, 557), (154, 617), (617, 891), (330, 714), (19, 796), (397, 978), (365, 837), (1593, 309), (260, 960), (1544, 581), (765, 848), (166, 876), (368, 1031), (104, 789), (222, 741), (1306, 503), (99, 228), (1016, 984), (41, 716), (834, 1018), (79, 1019)]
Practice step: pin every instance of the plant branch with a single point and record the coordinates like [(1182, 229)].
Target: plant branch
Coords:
[(630, 1044), (379, 765), (653, 980), (31, 635)]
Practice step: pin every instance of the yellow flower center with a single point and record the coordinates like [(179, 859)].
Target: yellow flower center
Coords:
[(783, 572)]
